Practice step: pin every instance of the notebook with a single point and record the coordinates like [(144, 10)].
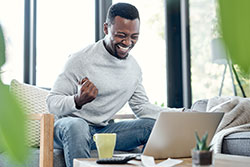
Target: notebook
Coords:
[(173, 135)]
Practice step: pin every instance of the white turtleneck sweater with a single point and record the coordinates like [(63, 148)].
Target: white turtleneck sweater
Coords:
[(118, 81)]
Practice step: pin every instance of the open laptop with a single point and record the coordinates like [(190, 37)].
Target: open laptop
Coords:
[(173, 134)]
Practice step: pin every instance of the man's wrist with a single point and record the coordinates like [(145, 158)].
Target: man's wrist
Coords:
[(76, 104)]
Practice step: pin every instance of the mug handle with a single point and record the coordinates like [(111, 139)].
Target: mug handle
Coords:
[(94, 137)]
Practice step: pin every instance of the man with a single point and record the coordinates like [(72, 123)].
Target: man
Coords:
[(108, 77)]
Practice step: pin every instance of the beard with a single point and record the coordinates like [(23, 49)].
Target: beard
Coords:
[(117, 55)]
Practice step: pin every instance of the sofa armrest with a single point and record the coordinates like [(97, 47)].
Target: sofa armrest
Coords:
[(46, 138)]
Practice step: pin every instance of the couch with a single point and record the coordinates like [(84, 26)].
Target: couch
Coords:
[(236, 143), (41, 150), (40, 129)]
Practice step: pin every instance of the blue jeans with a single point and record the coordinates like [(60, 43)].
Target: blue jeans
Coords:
[(75, 136)]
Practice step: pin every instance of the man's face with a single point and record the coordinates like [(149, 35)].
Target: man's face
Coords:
[(121, 36)]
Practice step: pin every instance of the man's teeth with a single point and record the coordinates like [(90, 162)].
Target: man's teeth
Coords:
[(124, 49)]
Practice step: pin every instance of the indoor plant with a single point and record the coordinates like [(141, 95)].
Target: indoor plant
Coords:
[(12, 118), (201, 154)]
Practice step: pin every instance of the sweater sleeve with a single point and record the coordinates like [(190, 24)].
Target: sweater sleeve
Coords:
[(142, 108), (60, 100)]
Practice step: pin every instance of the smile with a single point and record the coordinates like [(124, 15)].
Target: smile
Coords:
[(123, 49)]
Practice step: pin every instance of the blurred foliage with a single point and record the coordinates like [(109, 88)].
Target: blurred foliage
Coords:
[(2, 47), (161, 105), (12, 118), (244, 79), (235, 26)]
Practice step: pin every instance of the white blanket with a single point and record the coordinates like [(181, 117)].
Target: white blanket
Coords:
[(236, 118)]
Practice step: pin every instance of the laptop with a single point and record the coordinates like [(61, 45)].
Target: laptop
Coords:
[(173, 135)]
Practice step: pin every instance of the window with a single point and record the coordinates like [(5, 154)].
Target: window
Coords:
[(206, 74), (63, 27), (150, 50), (12, 21)]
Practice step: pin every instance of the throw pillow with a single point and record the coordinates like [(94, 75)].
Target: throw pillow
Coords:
[(33, 100)]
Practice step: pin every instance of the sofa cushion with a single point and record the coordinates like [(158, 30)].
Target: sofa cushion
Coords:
[(237, 144), (200, 105), (33, 100)]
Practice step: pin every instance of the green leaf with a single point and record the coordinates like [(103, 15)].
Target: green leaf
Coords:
[(2, 47), (204, 138), (12, 126), (196, 146), (197, 138), (235, 26), (209, 147), (201, 144)]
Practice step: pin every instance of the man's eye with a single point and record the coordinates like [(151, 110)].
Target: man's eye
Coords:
[(134, 37), (121, 36)]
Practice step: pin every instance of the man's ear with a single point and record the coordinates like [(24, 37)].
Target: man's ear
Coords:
[(105, 28)]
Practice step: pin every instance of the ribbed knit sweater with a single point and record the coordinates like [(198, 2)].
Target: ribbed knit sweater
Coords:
[(118, 81)]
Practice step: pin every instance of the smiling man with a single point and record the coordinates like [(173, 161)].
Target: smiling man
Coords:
[(95, 84), (121, 34)]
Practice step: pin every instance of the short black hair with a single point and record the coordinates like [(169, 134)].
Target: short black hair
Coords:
[(124, 10)]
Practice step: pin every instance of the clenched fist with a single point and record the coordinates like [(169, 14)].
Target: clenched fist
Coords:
[(88, 93)]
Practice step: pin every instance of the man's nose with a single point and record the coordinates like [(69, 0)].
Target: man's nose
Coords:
[(127, 41)]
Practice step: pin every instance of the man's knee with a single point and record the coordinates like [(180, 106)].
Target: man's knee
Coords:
[(72, 127), (148, 123)]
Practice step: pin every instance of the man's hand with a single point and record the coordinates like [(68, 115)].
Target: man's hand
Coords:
[(88, 93)]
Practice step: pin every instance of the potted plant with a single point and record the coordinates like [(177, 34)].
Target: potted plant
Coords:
[(201, 154)]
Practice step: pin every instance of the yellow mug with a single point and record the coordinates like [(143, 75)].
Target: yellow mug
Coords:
[(105, 144)]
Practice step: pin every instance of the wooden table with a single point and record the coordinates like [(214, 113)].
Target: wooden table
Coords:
[(220, 160), (90, 162)]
